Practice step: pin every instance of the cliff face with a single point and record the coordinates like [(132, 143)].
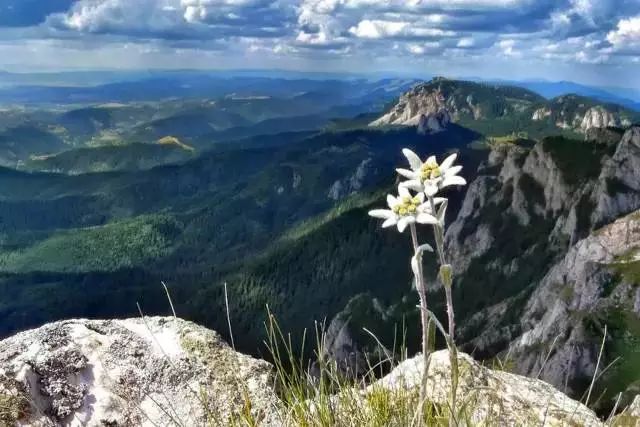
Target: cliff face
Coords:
[(545, 250), (475, 102), (459, 100)]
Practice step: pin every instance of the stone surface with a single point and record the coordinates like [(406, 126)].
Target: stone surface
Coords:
[(494, 397), (128, 372), (583, 229)]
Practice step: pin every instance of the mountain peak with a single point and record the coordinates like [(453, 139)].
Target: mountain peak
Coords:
[(517, 109)]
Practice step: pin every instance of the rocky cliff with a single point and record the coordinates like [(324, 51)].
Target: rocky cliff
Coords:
[(545, 248), (166, 371), (494, 106)]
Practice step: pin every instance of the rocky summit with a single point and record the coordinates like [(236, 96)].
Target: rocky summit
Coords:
[(161, 371), (474, 104), (156, 371)]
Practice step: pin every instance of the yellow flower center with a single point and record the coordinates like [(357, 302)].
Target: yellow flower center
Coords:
[(407, 206), (430, 170)]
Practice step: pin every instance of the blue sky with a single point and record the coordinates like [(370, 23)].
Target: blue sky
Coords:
[(590, 41)]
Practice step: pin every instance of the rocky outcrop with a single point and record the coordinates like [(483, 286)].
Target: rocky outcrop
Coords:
[(413, 106), (598, 117), (585, 285), (491, 397), (161, 371), (552, 240), (343, 187), (166, 371), (469, 101), (618, 186), (434, 123), (541, 114)]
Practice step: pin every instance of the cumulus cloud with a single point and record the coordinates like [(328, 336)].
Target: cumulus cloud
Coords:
[(199, 19), (627, 34), (469, 32)]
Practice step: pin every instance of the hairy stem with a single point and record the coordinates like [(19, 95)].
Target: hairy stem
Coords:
[(447, 282), (422, 294)]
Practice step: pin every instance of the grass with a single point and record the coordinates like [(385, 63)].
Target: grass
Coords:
[(629, 271)]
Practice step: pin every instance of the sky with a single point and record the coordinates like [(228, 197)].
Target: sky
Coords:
[(588, 41)]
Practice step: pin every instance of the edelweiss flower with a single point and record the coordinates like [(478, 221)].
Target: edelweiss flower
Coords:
[(406, 209), (429, 176)]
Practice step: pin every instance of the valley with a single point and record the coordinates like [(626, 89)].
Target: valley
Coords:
[(265, 184)]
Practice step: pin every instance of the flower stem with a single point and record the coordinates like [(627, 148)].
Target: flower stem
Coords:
[(422, 294), (447, 282)]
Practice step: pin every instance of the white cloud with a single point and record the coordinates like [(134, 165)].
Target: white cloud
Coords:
[(466, 42), (627, 33), (376, 29)]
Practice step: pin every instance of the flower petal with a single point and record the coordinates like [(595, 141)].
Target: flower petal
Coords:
[(381, 213), (425, 218), (454, 170), (448, 162), (402, 223), (414, 160), (431, 159), (391, 201), (420, 197), (430, 189), (390, 221), (407, 173), (413, 184), (453, 180), (403, 191), (425, 207)]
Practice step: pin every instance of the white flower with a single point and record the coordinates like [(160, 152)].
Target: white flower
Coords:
[(429, 176), (406, 209)]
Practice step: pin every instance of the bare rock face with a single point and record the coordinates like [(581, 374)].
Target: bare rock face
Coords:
[(541, 114), (581, 285), (494, 397), (598, 117), (342, 188), (412, 106), (434, 123), (128, 372), (566, 242), (619, 182)]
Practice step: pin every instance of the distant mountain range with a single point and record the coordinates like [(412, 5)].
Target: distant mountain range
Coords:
[(626, 97), (98, 86)]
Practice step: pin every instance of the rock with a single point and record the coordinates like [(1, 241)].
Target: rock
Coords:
[(541, 114), (126, 372), (464, 101), (352, 184), (598, 117), (618, 188), (434, 122), (557, 243), (574, 285), (412, 106), (336, 191), (492, 397)]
